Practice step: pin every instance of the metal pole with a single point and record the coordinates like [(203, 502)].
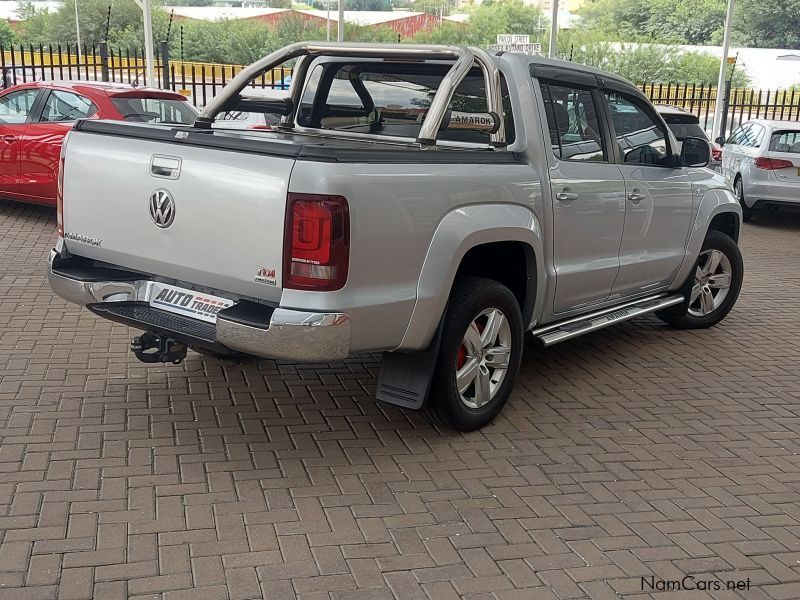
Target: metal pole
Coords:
[(553, 30), (78, 31), (149, 60), (340, 28), (726, 41), (328, 22)]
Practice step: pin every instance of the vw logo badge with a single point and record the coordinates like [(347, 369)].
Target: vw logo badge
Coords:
[(162, 208)]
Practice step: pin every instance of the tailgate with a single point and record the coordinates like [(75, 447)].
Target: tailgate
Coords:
[(791, 171), (200, 215)]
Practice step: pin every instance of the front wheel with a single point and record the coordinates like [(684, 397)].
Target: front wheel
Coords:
[(714, 284), (479, 355)]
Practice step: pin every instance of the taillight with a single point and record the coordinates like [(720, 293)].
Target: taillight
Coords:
[(60, 191), (716, 153), (316, 250), (773, 164)]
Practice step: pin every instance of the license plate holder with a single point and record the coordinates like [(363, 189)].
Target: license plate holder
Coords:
[(189, 303)]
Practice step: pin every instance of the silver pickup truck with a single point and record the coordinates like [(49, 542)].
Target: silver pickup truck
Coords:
[(435, 203)]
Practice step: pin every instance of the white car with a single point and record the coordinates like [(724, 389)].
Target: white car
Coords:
[(762, 161)]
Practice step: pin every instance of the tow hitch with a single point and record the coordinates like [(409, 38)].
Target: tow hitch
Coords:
[(153, 348)]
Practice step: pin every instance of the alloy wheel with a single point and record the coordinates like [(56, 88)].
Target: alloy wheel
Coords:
[(483, 358), (712, 280)]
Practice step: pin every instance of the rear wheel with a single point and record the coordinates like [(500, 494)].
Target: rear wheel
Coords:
[(713, 286), (479, 355), (738, 190)]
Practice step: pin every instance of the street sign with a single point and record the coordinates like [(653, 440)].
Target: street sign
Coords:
[(519, 43)]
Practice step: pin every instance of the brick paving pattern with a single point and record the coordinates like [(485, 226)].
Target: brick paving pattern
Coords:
[(638, 451)]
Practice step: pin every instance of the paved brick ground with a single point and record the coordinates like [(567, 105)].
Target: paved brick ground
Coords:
[(636, 452)]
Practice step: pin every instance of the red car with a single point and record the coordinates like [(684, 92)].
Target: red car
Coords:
[(35, 117)]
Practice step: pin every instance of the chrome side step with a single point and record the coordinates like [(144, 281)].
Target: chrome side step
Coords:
[(571, 328)]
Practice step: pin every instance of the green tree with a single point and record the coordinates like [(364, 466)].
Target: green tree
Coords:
[(368, 5), (7, 35), (768, 23), (663, 21)]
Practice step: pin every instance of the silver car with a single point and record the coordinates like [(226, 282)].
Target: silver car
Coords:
[(762, 161)]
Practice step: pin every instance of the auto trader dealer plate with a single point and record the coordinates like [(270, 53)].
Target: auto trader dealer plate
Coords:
[(187, 302)]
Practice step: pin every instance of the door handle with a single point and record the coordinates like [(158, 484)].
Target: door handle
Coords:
[(566, 196), (9, 138), (636, 196)]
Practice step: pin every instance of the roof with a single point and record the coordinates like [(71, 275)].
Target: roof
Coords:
[(220, 13), (777, 124), (110, 88), (364, 17)]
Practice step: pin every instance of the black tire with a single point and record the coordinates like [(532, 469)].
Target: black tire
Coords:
[(471, 296), (738, 190), (686, 317)]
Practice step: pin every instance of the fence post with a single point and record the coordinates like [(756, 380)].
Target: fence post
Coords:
[(726, 102), (104, 61), (165, 65)]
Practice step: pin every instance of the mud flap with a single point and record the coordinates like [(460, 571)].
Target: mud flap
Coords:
[(405, 377)]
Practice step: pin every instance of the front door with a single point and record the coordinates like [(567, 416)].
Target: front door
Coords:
[(588, 196), (658, 209), (15, 110)]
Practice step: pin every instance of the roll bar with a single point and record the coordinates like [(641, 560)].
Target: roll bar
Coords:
[(464, 58)]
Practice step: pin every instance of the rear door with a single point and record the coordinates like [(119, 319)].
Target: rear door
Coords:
[(42, 139), (16, 110), (659, 196), (588, 193)]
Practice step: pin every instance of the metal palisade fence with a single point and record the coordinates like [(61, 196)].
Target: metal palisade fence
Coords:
[(200, 82)]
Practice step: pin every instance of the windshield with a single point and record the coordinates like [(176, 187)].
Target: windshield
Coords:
[(785, 141), (154, 110)]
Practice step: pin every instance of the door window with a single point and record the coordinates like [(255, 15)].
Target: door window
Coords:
[(641, 138), (16, 106), (572, 120), (65, 106), (738, 135), (752, 136)]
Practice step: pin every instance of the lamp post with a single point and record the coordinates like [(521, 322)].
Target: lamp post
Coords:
[(340, 28), (723, 66), (149, 61), (551, 53), (78, 31)]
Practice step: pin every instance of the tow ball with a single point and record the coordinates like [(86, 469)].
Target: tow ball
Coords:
[(153, 348)]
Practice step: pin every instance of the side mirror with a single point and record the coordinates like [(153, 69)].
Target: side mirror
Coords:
[(695, 152), (719, 140)]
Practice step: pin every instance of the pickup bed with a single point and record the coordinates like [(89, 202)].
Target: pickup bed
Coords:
[(431, 202)]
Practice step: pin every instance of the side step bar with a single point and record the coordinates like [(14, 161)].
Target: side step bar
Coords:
[(577, 326)]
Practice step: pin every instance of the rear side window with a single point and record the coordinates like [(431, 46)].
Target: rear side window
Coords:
[(154, 110), (785, 141), (65, 106), (573, 123), (641, 139), (392, 99)]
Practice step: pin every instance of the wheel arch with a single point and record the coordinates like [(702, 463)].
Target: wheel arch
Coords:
[(468, 241), (719, 211)]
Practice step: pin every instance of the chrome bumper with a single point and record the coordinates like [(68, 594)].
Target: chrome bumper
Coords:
[(292, 335)]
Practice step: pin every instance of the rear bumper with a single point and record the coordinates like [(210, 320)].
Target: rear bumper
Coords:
[(758, 193), (248, 327)]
